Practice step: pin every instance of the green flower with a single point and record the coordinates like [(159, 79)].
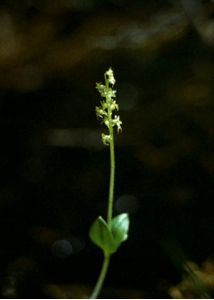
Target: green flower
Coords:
[(110, 76), (108, 106)]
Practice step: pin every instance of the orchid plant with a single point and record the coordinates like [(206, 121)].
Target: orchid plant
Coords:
[(110, 233)]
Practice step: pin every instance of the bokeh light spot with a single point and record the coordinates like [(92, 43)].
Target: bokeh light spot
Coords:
[(61, 248), (127, 203)]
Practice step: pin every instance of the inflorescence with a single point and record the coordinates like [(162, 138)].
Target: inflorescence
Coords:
[(108, 106)]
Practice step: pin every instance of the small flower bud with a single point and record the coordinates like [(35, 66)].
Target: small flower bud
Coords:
[(114, 106), (116, 121), (106, 139), (110, 75), (100, 112), (106, 122)]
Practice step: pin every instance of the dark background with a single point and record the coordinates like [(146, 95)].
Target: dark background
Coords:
[(54, 169)]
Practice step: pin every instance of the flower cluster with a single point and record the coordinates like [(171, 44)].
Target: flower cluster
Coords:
[(105, 112)]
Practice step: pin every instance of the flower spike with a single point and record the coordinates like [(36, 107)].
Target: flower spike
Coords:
[(108, 106)]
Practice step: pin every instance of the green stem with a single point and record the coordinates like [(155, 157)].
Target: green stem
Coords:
[(106, 260), (101, 278), (112, 177), (112, 163)]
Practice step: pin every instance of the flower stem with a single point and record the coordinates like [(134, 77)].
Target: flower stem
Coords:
[(101, 278), (112, 177), (112, 160), (106, 260), (107, 111)]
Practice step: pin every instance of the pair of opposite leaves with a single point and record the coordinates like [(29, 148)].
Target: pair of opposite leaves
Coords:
[(110, 236)]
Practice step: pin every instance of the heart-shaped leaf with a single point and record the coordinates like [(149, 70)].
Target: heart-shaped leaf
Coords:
[(110, 237), (119, 228), (101, 235)]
